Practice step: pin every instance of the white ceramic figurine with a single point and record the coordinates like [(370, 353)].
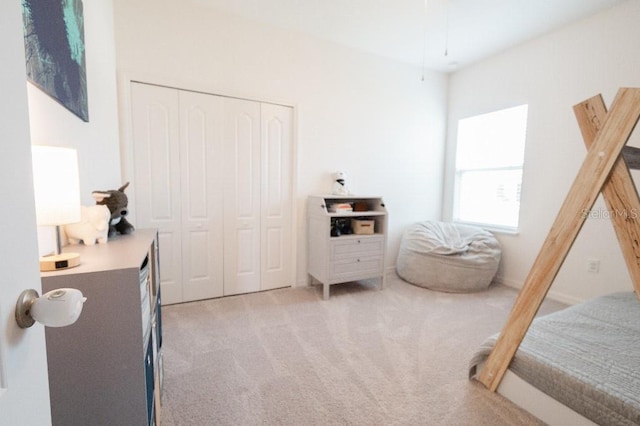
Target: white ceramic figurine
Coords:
[(93, 225), (339, 185)]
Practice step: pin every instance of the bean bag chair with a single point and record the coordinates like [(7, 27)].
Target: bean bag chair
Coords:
[(448, 257)]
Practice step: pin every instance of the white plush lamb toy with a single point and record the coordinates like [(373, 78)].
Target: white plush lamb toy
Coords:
[(93, 225)]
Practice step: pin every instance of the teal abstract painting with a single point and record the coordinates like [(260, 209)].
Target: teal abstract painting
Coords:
[(55, 51)]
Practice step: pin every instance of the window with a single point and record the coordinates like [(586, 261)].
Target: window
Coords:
[(489, 157)]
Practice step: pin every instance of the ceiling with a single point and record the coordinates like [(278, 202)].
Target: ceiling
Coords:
[(438, 34)]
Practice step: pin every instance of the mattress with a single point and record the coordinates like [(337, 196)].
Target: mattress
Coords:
[(586, 356)]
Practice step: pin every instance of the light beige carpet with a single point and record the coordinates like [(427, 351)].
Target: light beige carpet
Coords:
[(397, 356)]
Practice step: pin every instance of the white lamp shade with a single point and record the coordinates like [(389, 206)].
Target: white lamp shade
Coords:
[(56, 185)]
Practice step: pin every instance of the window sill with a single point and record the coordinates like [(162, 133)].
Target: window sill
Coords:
[(492, 228)]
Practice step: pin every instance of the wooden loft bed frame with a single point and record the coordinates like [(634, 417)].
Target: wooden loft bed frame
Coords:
[(606, 170)]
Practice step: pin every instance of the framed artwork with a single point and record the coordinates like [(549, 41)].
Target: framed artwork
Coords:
[(55, 51)]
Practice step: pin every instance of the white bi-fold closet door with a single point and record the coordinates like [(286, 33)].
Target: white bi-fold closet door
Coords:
[(214, 175)]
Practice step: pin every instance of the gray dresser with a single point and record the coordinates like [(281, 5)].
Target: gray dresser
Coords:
[(106, 369)]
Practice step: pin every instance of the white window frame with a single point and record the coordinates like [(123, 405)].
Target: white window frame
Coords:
[(514, 164)]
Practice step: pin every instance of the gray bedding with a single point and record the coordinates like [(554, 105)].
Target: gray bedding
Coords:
[(586, 356)]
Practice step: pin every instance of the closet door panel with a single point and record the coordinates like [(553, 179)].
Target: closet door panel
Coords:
[(201, 194), (277, 197), (214, 176), (156, 179), (241, 196), (243, 158)]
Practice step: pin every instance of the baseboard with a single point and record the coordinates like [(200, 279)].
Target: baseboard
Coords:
[(554, 295)]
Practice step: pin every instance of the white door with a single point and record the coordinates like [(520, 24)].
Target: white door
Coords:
[(242, 187), (201, 171), (156, 180), (214, 176), (277, 197), (178, 173), (24, 386)]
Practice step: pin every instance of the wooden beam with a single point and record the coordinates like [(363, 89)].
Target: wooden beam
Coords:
[(619, 191), (606, 148), (631, 156)]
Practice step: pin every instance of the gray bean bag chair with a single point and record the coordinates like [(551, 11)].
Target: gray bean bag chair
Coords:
[(448, 257)]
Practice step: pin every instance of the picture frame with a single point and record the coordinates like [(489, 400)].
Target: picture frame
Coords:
[(55, 51)]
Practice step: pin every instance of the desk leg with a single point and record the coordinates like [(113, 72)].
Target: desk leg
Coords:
[(325, 291)]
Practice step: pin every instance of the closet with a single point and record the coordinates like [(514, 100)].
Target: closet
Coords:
[(214, 175)]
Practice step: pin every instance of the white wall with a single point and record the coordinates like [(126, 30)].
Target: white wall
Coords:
[(370, 117), (551, 74), (97, 141)]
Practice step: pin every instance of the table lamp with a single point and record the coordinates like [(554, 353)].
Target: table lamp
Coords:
[(57, 195)]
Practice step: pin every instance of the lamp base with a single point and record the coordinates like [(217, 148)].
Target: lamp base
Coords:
[(59, 261)]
